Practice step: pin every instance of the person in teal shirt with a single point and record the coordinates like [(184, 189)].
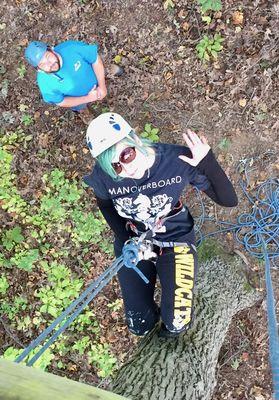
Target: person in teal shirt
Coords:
[(70, 75)]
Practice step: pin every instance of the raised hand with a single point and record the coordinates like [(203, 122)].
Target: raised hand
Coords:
[(198, 146)]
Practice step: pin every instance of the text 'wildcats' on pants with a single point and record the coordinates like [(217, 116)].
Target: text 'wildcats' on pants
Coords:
[(184, 279)]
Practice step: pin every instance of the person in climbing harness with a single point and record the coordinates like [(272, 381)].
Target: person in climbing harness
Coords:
[(138, 186), (70, 74)]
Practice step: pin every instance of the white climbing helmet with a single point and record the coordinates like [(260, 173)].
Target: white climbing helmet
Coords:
[(105, 131)]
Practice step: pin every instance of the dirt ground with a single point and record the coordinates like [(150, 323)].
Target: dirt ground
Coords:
[(233, 101)]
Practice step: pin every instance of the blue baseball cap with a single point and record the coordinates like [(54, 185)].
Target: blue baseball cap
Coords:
[(35, 52)]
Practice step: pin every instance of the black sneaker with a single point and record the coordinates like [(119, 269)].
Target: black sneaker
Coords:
[(165, 333)]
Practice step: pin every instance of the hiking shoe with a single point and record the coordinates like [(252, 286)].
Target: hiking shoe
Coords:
[(115, 70)]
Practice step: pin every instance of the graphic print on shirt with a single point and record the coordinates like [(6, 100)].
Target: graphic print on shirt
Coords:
[(144, 209), (77, 65)]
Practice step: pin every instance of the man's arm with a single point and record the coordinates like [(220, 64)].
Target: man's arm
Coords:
[(94, 94), (72, 101), (98, 68)]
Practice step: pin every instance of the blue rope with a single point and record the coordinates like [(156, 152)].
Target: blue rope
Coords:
[(273, 330), (251, 230), (258, 233), (80, 303), (131, 258), (128, 259)]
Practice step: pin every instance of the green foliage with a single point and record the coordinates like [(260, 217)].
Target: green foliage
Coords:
[(235, 364), (10, 199), (57, 204), (208, 48), (3, 261), (169, 5), (224, 144), (107, 247), (26, 119), (116, 305), (43, 362), (11, 310), (150, 133), (12, 237), (208, 249), (14, 138), (24, 259), (100, 357), (60, 213), (87, 228), (21, 71), (61, 289), (4, 285), (207, 19), (81, 345), (210, 5)]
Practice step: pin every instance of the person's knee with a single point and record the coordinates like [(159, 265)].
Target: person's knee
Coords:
[(141, 324)]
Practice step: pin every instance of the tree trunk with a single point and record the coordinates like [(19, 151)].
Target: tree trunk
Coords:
[(184, 367)]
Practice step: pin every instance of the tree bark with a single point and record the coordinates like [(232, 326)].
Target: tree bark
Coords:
[(184, 368)]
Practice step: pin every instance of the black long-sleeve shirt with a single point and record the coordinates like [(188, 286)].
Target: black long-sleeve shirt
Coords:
[(145, 200)]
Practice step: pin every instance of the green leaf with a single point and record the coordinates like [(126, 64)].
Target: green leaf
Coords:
[(235, 364), (206, 19), (168, 4)]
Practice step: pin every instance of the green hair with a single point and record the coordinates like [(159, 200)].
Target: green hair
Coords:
[(105, 158)]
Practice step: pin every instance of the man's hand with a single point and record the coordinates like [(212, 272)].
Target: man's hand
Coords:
[(92, 95), (198, 146), (101, 92)]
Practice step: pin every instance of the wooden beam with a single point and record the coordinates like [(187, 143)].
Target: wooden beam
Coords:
[(18, 382)]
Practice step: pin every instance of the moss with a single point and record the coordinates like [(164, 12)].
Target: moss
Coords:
[(248, 288), (209, 249)]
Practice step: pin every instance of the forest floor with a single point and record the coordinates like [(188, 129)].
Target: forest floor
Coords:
[(232, 100)]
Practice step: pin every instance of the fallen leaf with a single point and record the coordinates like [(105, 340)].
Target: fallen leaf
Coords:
[(24, 180), (237, 18), (72, 368), (242, 102), (245, 356), (118, 58), (43, 140), (23, 42)]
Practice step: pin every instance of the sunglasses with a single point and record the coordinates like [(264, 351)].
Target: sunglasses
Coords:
[(126, 156)]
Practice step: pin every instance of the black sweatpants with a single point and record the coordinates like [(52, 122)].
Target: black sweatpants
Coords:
[(176, 268)]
